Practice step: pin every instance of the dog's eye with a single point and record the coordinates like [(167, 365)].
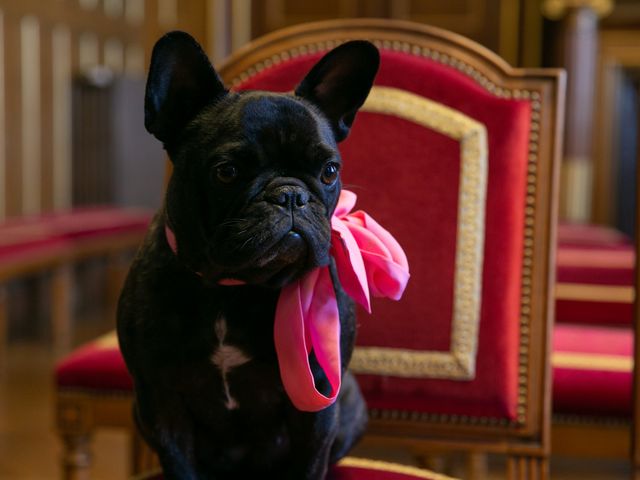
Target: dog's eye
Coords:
[(226, 173), (330, 173)]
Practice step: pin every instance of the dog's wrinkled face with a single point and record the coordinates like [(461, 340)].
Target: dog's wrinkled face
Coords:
[(268, 175), (256, 174)]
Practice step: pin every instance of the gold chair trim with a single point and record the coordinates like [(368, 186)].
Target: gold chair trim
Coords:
[(354, 462), (594, 293), (592, 361), (107, 341), (460, 361), (383, 466)]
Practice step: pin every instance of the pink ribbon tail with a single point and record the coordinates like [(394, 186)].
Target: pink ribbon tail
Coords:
[(299, 321), (368, 260)]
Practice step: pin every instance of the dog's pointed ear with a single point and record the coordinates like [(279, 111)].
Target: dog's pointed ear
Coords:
[(340, 82), (181, 82)]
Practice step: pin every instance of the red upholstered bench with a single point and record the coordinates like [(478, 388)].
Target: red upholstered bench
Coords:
[(94, 390), (97, 366), (54, 242), (361, 469), (595, 276), (592, 368), (593, 342)]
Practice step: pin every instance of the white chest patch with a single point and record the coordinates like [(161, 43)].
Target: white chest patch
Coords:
[(225, 358)]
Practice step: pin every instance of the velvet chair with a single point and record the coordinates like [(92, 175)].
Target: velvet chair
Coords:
[(593, 344), (456, 154)]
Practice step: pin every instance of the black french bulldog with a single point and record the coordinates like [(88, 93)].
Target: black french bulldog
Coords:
[(256, 179)]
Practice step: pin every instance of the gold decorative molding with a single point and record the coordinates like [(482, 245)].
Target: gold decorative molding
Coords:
[(556, 9), (592, 361), (460, 361), (595, 293), (107, 341), (382, 466)]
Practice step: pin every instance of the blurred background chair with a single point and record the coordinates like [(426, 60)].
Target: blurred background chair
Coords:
[(593, 343), (454, 135)]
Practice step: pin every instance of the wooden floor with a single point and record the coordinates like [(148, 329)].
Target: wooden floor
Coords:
[(29, 449)]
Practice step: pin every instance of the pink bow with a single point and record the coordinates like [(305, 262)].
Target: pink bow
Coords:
[(368, 261)]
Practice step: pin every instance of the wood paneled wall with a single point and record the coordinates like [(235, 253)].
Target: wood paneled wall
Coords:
[(512, 28), (618, 59), (43, 44)]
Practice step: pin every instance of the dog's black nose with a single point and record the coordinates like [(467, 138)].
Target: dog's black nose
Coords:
[(288, 196)]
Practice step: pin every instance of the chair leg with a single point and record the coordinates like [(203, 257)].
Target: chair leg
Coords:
[(4, 328), (432, 461), (76, 458), (74, 424), (522, 467), (61, 302), (477, 467), (137, 454), (143, 458)]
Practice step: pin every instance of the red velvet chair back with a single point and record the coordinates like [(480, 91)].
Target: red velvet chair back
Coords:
[(454, 152)]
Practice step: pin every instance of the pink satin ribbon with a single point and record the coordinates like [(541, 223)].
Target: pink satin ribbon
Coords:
[(369, 261)]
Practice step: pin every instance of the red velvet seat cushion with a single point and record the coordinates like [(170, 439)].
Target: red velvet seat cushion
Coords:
[(362, 469), (98, 220), (592, 370), (95, 366), (595, 276), (407, 176), (52, 234)]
